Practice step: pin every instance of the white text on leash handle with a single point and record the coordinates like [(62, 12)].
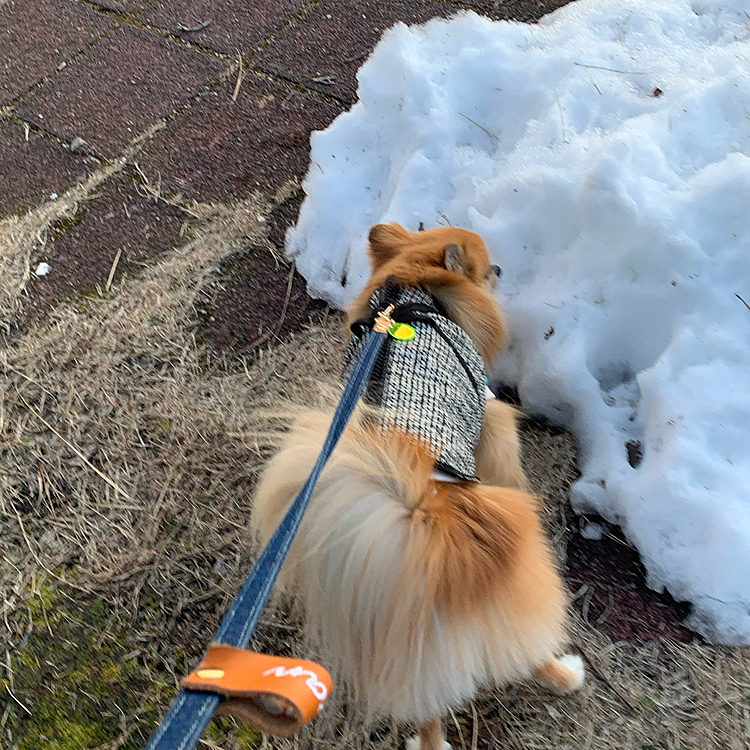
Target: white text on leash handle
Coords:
[(319, 690)]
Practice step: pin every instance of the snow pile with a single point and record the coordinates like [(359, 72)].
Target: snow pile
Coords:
[(604, 156)]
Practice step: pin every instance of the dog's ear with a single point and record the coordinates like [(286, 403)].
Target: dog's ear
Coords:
[(455, 259), (386, 241)]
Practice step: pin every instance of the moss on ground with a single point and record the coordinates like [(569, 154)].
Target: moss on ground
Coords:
[(83, 682), (75, 674), (225, 732)]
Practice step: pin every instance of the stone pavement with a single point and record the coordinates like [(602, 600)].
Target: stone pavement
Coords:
[(84, 83)]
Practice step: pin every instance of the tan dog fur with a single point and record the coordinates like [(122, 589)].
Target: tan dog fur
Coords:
[(417, 592)]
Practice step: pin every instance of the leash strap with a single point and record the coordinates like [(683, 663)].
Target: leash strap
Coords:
[(192, 710)]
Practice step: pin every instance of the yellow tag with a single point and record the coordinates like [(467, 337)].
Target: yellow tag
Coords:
[(210, 674), (402, 331)]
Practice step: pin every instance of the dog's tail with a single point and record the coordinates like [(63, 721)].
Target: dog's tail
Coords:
[(388, 560)]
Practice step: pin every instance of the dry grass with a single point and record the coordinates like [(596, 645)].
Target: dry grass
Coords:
[(124, 464), (126, 472), (110, 424)]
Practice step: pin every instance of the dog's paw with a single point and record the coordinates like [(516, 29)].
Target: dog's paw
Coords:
[(413, 743), (574, 663), (563, 675)]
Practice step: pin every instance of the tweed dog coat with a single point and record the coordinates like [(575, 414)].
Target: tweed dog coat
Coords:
[(433, 385)]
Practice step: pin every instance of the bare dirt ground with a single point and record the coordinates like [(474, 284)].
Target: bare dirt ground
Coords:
[(139, 383)]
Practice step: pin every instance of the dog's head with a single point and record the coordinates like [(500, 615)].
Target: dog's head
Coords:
[(450, 263), (409, 255)]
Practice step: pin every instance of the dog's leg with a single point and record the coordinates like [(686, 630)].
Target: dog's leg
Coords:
[(563, 675), (498, 453), (431, 737)]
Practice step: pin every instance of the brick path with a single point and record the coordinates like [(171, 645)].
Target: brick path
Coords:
[(82, 82)]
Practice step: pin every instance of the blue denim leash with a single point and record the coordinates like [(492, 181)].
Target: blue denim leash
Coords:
[(192, 709)]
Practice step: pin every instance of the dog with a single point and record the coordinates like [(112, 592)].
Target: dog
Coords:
[(421, 563)]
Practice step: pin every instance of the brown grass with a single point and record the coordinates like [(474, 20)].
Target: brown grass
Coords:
[(126, 472)]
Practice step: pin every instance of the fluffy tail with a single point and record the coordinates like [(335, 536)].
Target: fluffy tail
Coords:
[(390, 564)]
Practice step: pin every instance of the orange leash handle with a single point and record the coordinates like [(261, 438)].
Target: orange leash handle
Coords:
[(273, 693)]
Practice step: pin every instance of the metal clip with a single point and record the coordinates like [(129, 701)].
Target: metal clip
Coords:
[(384, 321)]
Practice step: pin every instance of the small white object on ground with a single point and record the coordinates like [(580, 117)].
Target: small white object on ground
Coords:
[(592, 531), (604, 156), (43, 269)]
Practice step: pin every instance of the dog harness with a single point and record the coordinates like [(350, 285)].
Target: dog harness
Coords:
[(431, 385)]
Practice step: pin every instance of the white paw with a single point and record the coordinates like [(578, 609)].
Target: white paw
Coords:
[(413, 743), (575, 664)]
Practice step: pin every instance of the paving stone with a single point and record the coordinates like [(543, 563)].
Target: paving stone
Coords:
[(129, 81), (511, 10), (326, 48), (243, 309), (36, 37), (220, 149), (122, 217), (33, 167), (246, 307), (223, 25)]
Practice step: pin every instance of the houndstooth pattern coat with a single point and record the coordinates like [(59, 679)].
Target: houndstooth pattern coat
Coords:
[(431, 386)]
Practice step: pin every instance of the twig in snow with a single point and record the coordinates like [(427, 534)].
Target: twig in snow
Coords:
[(623, 25), (612, 70), (474, 122), (562, 117)]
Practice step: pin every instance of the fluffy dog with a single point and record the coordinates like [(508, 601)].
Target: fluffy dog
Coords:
[(421, 562)]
